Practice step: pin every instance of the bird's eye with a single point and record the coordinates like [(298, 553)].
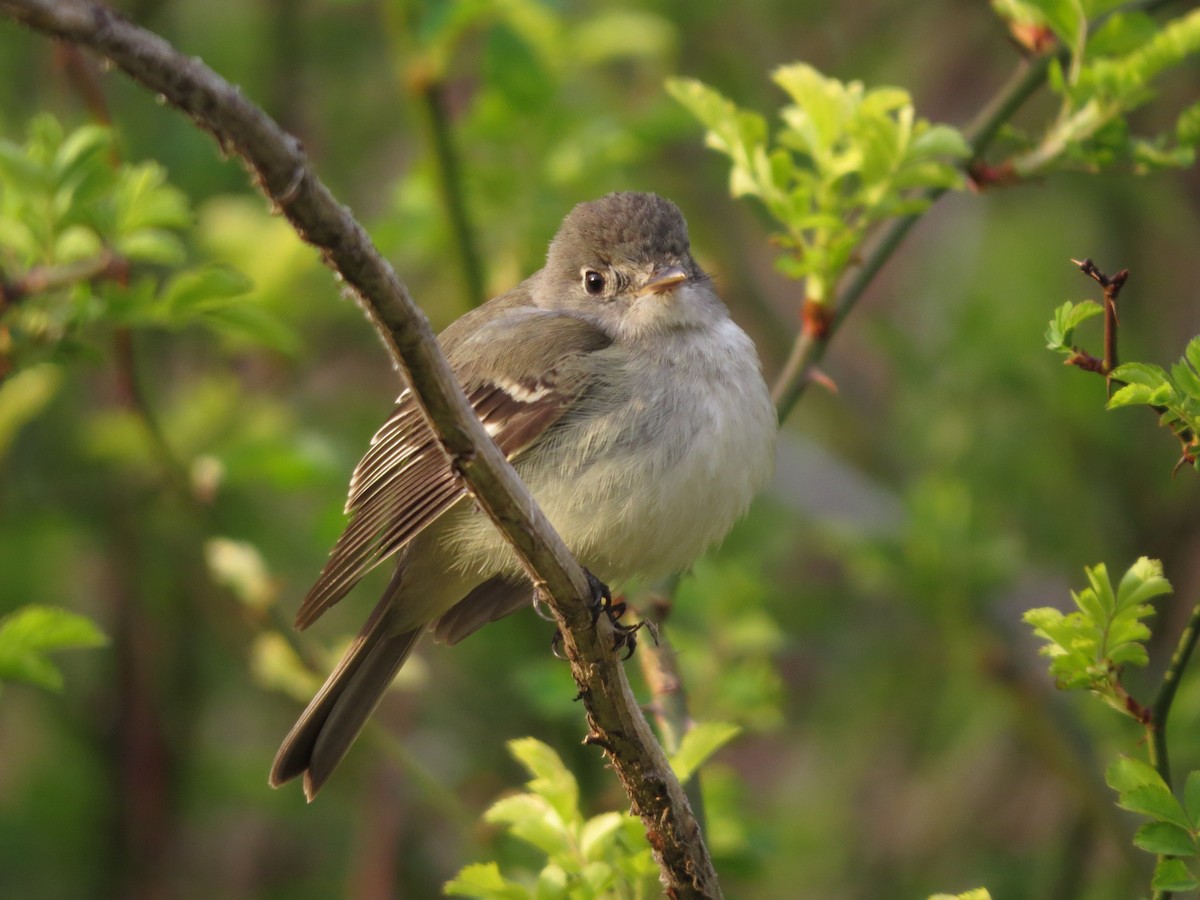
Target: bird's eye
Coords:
[(593, 281)]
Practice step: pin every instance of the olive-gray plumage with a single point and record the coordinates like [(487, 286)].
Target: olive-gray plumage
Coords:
[(628, 401)]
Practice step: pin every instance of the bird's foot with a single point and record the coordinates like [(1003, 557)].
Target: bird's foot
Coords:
[(602, 603)]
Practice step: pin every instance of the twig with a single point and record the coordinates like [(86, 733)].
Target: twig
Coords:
[(424, 81), (106, 265), (1112, 289), (1160, 708), (284, 174), (432, 96), (813, 339), (668, 697)]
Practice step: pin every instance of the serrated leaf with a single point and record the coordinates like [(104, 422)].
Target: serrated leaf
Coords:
[(1143, 395), (485, 880), (532, 819), (196, 287), (1191, 796), (1141, 582), (151, 245), (79, 148), (1173, 875), (698, 744), (551, 779), (1165, 839), (1060, 335), (1155, 801), (598, 834), (33, 631)]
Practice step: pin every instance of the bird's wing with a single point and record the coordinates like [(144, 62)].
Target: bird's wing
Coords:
[(405, 482)]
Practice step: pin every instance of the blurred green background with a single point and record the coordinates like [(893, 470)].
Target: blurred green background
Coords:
[(862, 625)]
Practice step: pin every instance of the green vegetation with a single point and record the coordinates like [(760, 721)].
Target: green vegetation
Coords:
[(183, 395)]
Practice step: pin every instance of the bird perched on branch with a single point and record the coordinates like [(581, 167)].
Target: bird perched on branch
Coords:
[(628, 401)]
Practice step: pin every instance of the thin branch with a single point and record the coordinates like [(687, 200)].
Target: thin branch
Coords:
[(1160, 708), (285, 175), (668, 697), (424, 80), (104, 266), (813, 339), (432, 96)]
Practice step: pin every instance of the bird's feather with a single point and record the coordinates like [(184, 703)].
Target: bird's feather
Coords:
[(405, 481)]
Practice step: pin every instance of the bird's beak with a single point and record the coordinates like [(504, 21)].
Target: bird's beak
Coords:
[(663, 280)]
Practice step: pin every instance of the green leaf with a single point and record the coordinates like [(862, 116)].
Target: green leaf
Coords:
[(33, 631), (84, 146), (551, 779), (699, 743), (1147, 384), (23, 396), (197, 289), (1060, 335), (532, 819), (1141, 582), (1191, 796), (151, 245), (1174, 875), (1155, 801), (598, 834), (1165, 839), (485, 880)]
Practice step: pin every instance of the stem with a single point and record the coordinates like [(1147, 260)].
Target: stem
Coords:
[(809, 347), (669, 703), (449, 174), (1160, 708), (421, 78)]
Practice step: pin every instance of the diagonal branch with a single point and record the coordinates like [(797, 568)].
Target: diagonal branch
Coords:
[(285, 175)]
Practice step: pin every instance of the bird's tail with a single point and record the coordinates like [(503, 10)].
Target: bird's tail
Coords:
[(327, 728)]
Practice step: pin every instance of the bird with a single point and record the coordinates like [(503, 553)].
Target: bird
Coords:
[(629, 402)]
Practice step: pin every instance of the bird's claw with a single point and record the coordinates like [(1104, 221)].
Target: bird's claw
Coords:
[(602, 603)]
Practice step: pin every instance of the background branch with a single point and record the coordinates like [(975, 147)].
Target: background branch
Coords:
[(283, 172)]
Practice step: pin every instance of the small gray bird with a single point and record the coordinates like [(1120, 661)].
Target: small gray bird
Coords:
[(630, 404)]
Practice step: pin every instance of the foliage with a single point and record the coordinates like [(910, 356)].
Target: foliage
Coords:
[(83, 242), (1114, 57), (845, 159), (1060, 335), (603, 856), (31, 632), (1090, 647), (1174, 827), (857, 626), (1174, 394)]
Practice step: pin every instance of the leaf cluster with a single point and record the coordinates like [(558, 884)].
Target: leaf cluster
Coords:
[(1060, 335), (1176, 394), (602, 856), (844, 159), (86, 243), (1113, 57), (1173, 832), (1089, 647)]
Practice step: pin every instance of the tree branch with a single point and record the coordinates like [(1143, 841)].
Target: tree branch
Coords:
[(285, 175)]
